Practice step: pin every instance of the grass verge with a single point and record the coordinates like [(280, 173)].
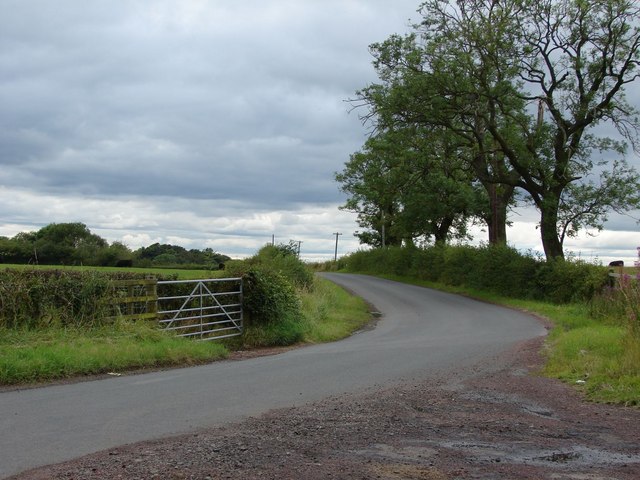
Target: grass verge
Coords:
[(331, 313), (327, 313), (600, 358), (57, 353)]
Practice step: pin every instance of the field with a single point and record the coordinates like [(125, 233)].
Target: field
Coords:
[(181, 273)]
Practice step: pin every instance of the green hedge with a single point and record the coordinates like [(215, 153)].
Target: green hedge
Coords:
[(34, 298), (498, 269), (272, 279)]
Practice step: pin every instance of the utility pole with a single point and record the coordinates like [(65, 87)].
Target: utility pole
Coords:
[(335, 256), (299, 243)]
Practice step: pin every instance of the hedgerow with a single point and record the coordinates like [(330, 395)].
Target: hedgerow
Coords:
[(38, 298), (498, 269)]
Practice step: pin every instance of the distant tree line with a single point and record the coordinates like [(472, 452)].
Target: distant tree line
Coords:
[(74, 244)]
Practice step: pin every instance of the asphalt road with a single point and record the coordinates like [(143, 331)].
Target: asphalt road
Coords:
[(422, 333)]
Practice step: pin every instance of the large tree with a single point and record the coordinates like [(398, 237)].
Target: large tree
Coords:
[(409, 185), (524, 83)]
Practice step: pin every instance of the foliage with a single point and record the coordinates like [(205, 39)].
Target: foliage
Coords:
[(520, 86), (283, 259), (32, 299), (562, 280), (410, 186), (74, 244), (173, 255), (273, 281), (492, 268), (619, 304), (39, 298)]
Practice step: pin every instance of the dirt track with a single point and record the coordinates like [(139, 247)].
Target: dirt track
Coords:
[(500, 421)]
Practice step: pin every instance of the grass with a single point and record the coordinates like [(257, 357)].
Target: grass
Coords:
[(331, 313), (42, 355), (599, 357), (57, 353), (182, 274), (328, 313)]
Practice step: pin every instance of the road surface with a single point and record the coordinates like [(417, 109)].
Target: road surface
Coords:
[(423, 332)]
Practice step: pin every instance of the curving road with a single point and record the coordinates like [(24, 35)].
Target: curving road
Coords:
[(423, 332)]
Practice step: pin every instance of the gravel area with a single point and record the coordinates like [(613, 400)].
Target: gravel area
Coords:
[(499, 420)]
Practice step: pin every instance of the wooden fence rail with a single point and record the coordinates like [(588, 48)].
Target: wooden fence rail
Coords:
[(135, 299)]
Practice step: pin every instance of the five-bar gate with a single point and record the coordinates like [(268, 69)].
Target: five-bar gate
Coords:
[(207, 309)]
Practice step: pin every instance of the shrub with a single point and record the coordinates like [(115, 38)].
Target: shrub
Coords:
[(272, 279), (283, 259), (35, 298), (273, 314), (503, 270), (498, 269), (564, 281)]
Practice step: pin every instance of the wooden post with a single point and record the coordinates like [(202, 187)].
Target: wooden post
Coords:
[(152, 291)]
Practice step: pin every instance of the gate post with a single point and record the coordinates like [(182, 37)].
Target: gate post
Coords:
[(151, 290)]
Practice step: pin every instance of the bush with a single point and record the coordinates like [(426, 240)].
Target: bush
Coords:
[(428, 264), (272, 307), (503, 270), (497, 269), (564, 281), (282, 259), (36, 298)]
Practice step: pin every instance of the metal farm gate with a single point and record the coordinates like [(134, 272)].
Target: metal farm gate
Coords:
[(205, 309), (208, 309)]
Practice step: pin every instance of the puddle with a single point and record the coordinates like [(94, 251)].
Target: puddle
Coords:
[(575, 455), (524, 405)]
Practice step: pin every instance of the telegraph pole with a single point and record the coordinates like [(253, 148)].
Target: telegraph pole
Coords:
[(335, 256)]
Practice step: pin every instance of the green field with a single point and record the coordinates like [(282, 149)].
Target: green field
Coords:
[(181, 273)]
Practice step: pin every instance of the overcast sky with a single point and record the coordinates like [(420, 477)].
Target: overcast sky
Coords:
[(198, 123)]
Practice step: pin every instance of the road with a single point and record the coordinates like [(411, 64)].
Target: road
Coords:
[(422, 333)]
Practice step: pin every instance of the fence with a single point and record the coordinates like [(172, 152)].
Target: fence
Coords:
[(207, 309)]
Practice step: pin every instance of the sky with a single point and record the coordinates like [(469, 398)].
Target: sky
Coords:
[(205, 124)]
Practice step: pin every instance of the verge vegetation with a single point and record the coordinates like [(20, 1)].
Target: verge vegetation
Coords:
[(595, 340)]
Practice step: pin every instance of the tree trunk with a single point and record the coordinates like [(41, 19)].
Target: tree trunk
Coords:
[(499, 196), (549, 227), (441, 230)]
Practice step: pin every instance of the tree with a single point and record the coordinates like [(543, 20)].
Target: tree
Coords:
[(562, 68), (418, 90), (524, 83), (407, 186), (67, 243)]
